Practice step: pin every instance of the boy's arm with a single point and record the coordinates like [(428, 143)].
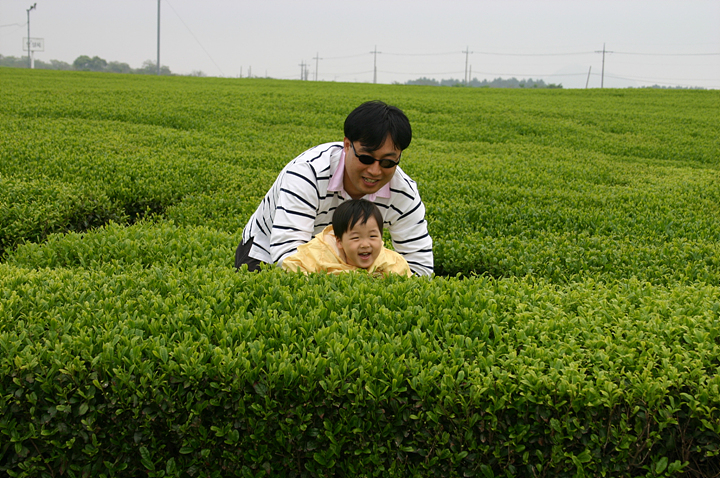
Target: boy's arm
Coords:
[(294, 263)]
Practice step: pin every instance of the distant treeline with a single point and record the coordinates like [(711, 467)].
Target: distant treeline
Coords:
[(85, 63), (675, 87), (496, 83)]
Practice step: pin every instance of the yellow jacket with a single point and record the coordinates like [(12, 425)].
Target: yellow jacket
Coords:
[(322, 254)]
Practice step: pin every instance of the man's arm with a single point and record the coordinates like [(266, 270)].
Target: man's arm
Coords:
[(410, 238), (295, 211), (407, 225)]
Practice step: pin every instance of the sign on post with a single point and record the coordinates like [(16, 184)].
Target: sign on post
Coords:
[(36, 44)]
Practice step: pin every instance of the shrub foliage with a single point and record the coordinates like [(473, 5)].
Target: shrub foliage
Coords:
[(572, 329)]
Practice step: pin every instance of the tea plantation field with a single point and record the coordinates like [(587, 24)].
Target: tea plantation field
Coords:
[(572, 329)]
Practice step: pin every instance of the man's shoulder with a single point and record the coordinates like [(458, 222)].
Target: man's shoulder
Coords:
[(403, 184), (321, 153)]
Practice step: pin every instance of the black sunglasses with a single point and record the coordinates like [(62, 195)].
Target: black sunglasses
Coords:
[(367, 159)]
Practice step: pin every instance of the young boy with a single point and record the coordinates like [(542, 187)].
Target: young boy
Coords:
[(353, 241)]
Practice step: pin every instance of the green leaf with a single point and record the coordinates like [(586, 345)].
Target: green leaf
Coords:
[(585, 456), (145, 460), (320, 458)]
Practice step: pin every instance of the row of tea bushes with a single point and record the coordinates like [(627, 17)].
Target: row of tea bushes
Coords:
[(560, 258), (143, 244), (137, 369), (557, 184), (33, 209), (568, 257), (130, 346)]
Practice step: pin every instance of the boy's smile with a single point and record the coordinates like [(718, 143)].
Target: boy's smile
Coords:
[(361, 244)]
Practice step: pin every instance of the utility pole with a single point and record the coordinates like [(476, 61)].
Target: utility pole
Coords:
[(302, 70), (588, 78), (467, 53), (158, 56), (602, 77), (375, 52), (317, 58), (30, 63)]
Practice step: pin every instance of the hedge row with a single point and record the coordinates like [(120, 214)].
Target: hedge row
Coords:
[(200, 371), (613, 184), (143, 244), (31, 210), (559, 257), (130, 347)]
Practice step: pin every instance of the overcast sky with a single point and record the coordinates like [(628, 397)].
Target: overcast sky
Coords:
[(652, 41)]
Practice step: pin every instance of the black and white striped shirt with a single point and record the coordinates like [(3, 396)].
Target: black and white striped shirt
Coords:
[(299, 205)]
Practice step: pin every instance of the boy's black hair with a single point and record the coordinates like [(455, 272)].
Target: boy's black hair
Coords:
[(372, 121), (352, 212)]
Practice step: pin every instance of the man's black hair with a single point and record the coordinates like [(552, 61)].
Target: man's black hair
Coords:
[(352, 212), (371, 122)]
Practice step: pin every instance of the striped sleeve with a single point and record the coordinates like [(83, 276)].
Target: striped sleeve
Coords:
[(410, 238), (405, 218), (295, 211)]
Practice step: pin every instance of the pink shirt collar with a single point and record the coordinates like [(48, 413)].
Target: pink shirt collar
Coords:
[(336, 183)]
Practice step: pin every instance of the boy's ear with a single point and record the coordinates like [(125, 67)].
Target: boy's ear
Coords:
[(338, 242)]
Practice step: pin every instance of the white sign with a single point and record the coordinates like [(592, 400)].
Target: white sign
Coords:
[(36, 44)]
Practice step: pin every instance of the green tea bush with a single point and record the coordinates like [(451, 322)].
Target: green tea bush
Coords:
[(144, 244), (208, 372), (574, 331), (142, 178), (31, 210)]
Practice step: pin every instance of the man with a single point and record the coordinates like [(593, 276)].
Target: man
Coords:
[(301, 202)]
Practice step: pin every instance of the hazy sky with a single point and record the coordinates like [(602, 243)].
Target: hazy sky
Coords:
[(652, 41)]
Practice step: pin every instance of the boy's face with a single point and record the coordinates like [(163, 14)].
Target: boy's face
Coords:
[(361, 244)]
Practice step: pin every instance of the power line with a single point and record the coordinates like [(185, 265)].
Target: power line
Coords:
[(196, 39), (667, 54), (530, 54), (533, 54), (423, 73), (423, 54), (635, 78), (346, 57)]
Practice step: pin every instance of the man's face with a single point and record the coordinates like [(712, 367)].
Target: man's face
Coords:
[(361, 179), (362, 243)]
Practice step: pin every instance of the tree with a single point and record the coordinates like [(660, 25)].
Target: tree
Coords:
[(117, 67), (149, 67), (423, 81), (85, 63), (13, 61), (59, 65)]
